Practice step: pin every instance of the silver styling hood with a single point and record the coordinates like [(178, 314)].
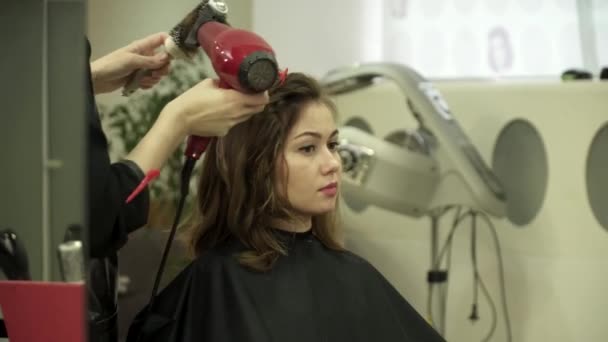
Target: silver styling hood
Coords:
[(438, 167)]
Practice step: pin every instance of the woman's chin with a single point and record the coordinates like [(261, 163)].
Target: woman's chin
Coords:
[(317, 207), (324, 208)]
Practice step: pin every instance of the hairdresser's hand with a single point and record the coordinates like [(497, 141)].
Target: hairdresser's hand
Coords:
[(112, 71), (203, 110), (209, 111)]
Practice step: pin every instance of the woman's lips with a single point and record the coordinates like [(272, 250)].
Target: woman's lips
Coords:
[(330, 189)]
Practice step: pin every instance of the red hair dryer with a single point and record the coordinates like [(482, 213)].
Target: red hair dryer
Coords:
[(242, 60)]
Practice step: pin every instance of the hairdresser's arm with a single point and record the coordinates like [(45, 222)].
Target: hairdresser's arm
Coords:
[(204, 110), (110, 219), (112, 71)]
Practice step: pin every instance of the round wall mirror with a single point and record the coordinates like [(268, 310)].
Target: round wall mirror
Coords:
[(597, 176), (520, 163)]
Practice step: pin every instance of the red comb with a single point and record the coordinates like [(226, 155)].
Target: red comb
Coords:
[(142, 185)]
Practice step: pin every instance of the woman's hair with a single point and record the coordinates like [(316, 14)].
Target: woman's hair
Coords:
[(237, 196)]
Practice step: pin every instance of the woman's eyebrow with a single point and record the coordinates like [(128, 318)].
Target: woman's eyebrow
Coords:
[(315, 134)]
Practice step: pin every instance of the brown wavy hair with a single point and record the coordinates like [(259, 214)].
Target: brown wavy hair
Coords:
[(237, 197)]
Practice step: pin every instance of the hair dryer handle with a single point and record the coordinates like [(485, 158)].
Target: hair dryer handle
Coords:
[(223, 84), (196, 146)]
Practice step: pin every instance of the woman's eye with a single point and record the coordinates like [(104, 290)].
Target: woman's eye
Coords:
[(308, 149), (333, 145)]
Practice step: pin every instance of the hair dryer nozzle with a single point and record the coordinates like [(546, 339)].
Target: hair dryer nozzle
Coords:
[(258, 71)]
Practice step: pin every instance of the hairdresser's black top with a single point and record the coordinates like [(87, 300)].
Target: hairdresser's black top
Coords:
[(313, 294), (109, 218)]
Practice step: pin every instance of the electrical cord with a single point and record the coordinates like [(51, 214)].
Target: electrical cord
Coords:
[(503, 291), (486, 293), (184, 187), (474, 314), (478, 281)]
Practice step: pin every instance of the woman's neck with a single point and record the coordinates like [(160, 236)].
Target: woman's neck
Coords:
[(296, 225)]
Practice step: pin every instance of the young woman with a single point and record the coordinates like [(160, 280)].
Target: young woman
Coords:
[(268, 263)]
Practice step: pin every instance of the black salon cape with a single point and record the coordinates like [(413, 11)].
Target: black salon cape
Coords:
[(313, 294)]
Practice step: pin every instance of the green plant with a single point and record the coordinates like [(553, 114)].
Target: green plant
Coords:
[(127, 123)]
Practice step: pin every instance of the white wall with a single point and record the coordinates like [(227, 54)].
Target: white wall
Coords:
[(317, 35)]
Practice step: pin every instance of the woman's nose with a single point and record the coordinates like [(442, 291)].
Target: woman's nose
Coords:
[(331, 162)]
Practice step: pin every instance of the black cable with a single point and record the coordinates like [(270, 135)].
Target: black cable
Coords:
[(184, 187), (501, 274), (478, 281), (485, 291), (474, 313)]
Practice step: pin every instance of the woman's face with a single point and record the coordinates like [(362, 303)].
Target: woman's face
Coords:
[(311, 167)]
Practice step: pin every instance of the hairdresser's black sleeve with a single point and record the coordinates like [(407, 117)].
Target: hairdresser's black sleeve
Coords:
[(109, 218)]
